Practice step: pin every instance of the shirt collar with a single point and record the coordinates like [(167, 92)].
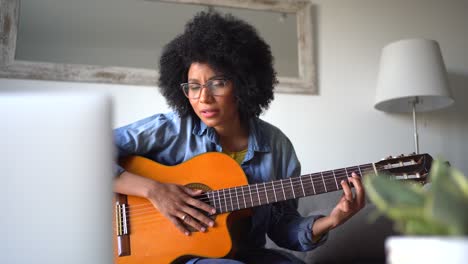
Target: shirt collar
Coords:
[(201, 128)]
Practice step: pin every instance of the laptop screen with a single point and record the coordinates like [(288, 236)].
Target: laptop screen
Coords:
[(56, 190)]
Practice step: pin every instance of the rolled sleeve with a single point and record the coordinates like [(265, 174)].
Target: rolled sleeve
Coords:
[(290, 230), (306, 239), (118, 170)]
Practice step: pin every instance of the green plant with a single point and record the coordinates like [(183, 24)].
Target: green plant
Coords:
[(441, 208)]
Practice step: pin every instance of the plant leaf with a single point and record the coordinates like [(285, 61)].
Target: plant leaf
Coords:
[(448, 205)]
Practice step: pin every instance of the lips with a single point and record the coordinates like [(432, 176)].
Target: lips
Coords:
[(208, 113)]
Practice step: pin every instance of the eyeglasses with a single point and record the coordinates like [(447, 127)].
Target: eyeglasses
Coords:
[(217, 87)]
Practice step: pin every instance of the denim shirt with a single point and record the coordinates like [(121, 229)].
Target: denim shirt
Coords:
[(169, 139)]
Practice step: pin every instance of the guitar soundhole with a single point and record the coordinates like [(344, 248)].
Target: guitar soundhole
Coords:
[(203, 197)]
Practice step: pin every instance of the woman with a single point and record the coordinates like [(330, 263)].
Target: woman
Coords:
[(218, 77)]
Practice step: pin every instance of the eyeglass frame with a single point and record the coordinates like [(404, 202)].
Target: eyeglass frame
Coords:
[(206, 85)]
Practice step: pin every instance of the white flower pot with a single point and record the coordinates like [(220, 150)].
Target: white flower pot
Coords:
[(426, 249)]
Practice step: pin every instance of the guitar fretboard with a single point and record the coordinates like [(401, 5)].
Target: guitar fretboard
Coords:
[(247, 196)]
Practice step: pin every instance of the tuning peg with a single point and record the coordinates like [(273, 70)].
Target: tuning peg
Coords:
[(389, 157), (401, 155)]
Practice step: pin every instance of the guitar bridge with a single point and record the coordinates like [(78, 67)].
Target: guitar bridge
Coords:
[(122, 226), (121, 219)]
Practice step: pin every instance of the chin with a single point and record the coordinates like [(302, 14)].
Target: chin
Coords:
[(209, 122)]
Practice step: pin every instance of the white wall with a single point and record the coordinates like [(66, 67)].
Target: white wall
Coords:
[(340, 127)]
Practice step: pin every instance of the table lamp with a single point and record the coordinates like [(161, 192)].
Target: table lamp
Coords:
[(412, 78)]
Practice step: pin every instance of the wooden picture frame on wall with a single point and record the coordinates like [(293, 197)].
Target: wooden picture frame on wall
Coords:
[(304, 83)]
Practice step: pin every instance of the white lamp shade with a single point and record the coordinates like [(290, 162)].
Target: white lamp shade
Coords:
[(408, 69)]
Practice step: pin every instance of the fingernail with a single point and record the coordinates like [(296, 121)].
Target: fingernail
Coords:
[(211, 223), (342, 181), (213, 211), (187, 233), (203, 229)]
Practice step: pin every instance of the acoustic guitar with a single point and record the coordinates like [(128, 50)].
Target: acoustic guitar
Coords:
[(143, 235)]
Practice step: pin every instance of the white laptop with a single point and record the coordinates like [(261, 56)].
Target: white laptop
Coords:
[(56, 156)]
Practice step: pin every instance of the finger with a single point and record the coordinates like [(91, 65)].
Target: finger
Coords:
[(199, 216), (178, 224), (347, 191), (201, 205), (345, 206), (360, 192), (189, 220), (192, 192)]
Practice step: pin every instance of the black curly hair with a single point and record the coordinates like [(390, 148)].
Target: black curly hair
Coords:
[(230, 46)]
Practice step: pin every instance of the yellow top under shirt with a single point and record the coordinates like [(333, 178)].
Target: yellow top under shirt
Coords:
[(237, 156)]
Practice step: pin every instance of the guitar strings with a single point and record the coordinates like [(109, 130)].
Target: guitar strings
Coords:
[(148, 207), (216, 195), (294, 181)]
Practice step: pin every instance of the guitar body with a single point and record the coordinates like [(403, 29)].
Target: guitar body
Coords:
[(155, 239)]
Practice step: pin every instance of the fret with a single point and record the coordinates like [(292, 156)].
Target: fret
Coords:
[(237, 197), (266, 193), (306, 186), (230, 199), (218, 195), (219, 199), (312, 182), (274, 191), (302, 185), (360, 172), (334, 176), (251, 200), (225, 200), (297, 187), (369, 169), (213, 193), (214, 200), (282, 188), (330, 179), (292, 187), (243, 196), (347, 174), (338, 177), (258, 194), (324, 185), (319, 186)]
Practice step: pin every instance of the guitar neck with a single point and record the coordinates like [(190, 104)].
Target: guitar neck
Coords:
[(248, 196)]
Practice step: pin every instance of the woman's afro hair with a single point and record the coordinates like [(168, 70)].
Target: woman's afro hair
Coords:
[(231, 47)]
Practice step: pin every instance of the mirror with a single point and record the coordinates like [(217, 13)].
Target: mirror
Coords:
[(120, 41)]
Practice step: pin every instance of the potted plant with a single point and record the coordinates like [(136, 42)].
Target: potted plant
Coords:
[(432, 218)]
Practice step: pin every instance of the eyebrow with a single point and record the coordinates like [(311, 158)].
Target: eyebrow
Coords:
[(216, 77)]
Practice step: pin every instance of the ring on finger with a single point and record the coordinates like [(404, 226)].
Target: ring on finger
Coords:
[(184, 217)]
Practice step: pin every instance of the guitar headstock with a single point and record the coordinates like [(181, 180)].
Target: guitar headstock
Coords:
[(413, 167)]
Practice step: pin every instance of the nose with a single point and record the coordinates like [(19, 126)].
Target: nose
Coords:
[(205, 95)]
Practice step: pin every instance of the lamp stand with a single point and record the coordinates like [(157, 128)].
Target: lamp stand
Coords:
[(415, 126)]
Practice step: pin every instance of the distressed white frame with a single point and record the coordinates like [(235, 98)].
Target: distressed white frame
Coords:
[(305, 83)]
